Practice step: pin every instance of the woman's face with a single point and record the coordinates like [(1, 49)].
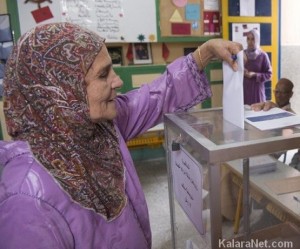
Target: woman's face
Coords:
[(250, 40), (102, 82)]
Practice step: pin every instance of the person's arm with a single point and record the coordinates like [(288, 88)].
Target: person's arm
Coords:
[(249, 74), (182, 86), (263, 106), (217, 48), (179, 88), (27, 222), (266, 70)]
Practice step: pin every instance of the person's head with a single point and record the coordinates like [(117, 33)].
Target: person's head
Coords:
[(102, 82), (253, 39), (59, 88), (59, 70), (283, 92)]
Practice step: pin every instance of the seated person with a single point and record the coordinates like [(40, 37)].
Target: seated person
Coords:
[(283, 93), (230, 194), (295, 162)]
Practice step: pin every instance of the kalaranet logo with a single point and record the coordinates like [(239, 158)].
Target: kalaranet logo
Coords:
[(254, 243)]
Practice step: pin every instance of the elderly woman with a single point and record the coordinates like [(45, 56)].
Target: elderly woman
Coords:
[(68, 180), (258, 70)]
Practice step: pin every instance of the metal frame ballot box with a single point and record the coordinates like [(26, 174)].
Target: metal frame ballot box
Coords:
[(199, 145)]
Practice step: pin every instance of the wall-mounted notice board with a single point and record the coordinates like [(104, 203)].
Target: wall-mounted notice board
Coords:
[(116, 20), (189, 18)]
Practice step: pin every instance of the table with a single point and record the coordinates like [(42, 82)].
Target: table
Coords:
[(210, 140), (283, 206)]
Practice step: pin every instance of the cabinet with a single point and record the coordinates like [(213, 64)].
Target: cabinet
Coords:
[(197, 144)]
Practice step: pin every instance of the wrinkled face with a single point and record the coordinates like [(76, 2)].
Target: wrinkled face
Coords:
[(282, 95), (250, 40), (102, 83)]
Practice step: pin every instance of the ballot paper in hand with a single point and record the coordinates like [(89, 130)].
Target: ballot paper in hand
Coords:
[(233, 93)]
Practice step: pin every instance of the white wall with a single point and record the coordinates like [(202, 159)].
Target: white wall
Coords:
[(290, 47), (290, 19)]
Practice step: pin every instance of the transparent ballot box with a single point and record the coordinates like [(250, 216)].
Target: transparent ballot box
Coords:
[(228, 186)]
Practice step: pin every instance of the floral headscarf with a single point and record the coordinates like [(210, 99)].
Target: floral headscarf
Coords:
[(253, 53), (45, 103)]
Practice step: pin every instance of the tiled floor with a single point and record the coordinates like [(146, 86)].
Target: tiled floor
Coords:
[(154, 179)]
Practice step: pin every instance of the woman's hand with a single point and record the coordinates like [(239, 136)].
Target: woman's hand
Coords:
[(248, 74), (217, 48)]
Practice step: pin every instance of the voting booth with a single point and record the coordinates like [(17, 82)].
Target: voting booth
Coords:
[(200, 146)]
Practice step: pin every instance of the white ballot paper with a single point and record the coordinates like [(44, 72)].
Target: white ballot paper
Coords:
[(271, 119), (233, 95)]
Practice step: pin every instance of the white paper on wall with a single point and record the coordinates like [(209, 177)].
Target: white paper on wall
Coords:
[(187, 184), (247, 7)]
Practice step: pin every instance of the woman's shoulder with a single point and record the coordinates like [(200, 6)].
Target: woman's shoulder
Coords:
[(28, 196), (262, 52), (22, 176)]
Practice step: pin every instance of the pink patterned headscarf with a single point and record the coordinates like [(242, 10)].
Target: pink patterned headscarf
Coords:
[(45, 103)]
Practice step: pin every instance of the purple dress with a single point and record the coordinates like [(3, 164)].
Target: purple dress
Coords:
[(254, 88), (36, 213)]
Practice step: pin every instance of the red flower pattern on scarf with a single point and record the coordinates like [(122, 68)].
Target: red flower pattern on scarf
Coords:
[(45, 103)]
